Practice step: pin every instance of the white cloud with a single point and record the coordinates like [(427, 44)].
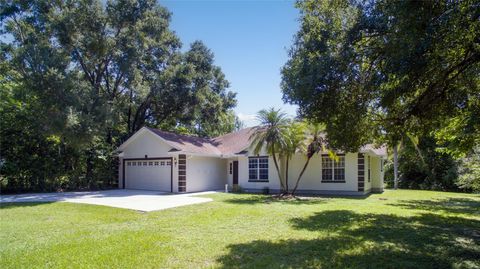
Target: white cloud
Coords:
[(242, 116), (248, 119)]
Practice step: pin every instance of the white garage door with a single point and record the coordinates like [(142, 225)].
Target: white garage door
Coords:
[(148, 174)]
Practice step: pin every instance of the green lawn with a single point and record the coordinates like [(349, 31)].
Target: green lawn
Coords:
[(396, 229)]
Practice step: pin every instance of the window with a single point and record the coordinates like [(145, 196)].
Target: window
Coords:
[(368, 168), (134, 163), (128, 164), (327, 165), (156, 163), (169, 163), (150, 163), (258, 169), (231, 168), (139, 163), (144, 163), (333, 171), (339, 169), (162, 163)]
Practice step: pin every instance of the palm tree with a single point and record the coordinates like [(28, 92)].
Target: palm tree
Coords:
[(295, 135), (395, 166), (316, 143), (271, 133), (398, 146)]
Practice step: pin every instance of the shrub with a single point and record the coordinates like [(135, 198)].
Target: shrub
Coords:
[(266, 190)]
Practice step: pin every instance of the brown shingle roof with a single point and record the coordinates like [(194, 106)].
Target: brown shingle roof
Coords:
[(190, 144), (235, 142), (228, 144)]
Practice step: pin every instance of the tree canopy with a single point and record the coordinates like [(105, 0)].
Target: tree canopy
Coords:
[(80, 77), (381, 68)]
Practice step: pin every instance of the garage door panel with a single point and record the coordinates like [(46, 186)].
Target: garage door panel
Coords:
[(148, 175)]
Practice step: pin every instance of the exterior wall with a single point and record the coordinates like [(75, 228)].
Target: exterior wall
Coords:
[(312, 178), (273, 182), (148, 144), (368, 181), (205, 173), (227, 169), (377, 175), (175, 174), (311, 181), (243, 181)]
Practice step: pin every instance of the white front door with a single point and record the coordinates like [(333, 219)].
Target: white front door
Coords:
[(152, 174)]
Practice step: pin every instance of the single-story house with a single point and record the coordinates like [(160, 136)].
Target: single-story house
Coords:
[(152, 159)]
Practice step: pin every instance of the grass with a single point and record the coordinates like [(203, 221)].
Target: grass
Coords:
[(396, 229)]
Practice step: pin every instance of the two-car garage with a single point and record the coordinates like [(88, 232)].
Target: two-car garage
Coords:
[(152, 159), (148, 174)]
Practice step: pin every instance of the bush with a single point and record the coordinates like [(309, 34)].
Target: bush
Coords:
[(266, 190), (237, 189), (469, 179), (31, 162), (432, 171)]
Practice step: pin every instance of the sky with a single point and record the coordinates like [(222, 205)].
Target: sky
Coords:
[(250, 40)]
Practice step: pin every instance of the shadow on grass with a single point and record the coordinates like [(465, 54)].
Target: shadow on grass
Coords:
[(8, 205), (301, 199), (450, 205), (268, 199), (349, 239)]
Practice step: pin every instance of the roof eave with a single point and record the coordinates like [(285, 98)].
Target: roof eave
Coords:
[(233, 155), (372, 152), (194, 153)]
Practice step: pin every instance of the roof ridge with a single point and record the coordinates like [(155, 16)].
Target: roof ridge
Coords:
[(225, 144), (195, 136), (235, 132), (230, 143), (173, 133)]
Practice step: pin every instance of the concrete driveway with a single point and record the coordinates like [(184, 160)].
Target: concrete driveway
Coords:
[(129, 199)]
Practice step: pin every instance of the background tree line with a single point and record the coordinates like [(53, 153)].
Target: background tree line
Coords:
[(79, 77), (397, 72)]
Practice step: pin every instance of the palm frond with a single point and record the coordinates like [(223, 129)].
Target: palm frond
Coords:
[(272, 131)]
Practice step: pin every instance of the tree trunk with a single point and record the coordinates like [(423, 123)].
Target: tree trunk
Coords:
[(278, 169), (89, 168), (129, 114), (286, 175), (300, 176), (395, 166)]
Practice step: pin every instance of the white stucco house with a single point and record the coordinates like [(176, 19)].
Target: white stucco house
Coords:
[(152, 159)]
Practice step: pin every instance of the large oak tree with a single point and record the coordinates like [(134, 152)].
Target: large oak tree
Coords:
[(384, 69), (88, 74)]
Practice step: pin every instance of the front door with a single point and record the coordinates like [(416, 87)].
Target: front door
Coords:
[(235, 173)]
